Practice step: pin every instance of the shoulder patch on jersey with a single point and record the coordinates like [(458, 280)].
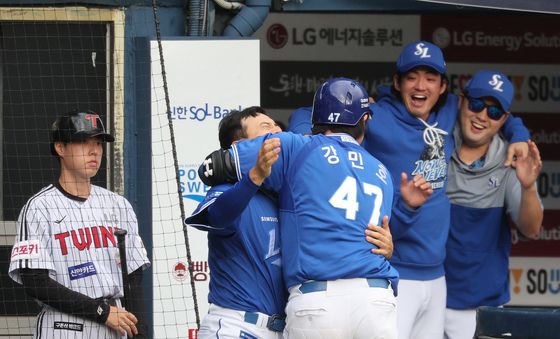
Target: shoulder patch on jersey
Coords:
[(82, 270), (28, 249)]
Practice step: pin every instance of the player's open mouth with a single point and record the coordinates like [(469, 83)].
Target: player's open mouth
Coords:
[(418, 100), (477, 126)]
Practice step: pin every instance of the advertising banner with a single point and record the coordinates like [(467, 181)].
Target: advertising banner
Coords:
[(491, 38), (333, 37), (534, 282), (202, 90)]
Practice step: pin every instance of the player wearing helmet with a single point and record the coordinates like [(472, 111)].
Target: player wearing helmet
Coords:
[(411, 133), (330, 188), (65, 253)]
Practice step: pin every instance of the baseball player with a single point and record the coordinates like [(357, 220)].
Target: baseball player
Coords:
[(411, 132), (329, 189), (247, 294), (65, 254), (483, 195)]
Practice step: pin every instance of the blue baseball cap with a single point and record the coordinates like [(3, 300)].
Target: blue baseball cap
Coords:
[(421, 53), (491, 84)]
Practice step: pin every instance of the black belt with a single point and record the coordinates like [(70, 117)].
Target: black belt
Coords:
[(274, 322), (319, 286)]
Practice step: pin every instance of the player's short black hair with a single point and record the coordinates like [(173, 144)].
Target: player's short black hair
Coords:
[(442, 98), (230, 128), (355, 131)]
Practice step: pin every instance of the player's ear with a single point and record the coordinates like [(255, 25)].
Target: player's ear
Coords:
[(397, 82), (443, 85), (366, 117), (59, 148)]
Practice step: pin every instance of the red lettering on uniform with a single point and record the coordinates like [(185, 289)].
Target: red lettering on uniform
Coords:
[(33, 249), (84, 241), (107, 234), (92, 118), (95, 234), (61, 237)]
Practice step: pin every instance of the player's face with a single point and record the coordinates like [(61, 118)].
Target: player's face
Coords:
[(420, 90), (259, 125), (477, 128), (83, 158)]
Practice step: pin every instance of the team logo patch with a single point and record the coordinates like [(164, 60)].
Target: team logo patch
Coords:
[(63, 325), (26, 250), (493, 182), (82, 270)]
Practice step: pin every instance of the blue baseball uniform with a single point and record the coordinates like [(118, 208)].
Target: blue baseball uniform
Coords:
[(407, 144), (404, 143), (330, 189), (246, 286)]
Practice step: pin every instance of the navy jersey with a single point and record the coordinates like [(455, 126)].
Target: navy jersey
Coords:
[(405, 144), (243, 253), (330, 189)]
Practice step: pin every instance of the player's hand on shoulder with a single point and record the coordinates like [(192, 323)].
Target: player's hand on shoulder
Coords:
[(381, 237), (268, 155), (415, 192), (122, 321)]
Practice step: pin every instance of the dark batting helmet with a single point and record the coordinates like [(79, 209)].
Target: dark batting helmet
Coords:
[(78, 126), (340, 101)]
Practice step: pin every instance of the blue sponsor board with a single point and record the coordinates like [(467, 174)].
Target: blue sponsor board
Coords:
[(82, 270)]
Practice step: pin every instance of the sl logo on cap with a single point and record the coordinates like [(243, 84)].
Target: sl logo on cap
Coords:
[(422, 51), (496, 83)]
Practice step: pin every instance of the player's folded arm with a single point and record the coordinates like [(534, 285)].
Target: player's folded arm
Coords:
[(40, 286)]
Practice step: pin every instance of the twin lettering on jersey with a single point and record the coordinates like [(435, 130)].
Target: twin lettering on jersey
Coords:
[(84, 238)]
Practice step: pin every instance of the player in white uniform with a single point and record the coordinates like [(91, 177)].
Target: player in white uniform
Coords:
[(65, 254)]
